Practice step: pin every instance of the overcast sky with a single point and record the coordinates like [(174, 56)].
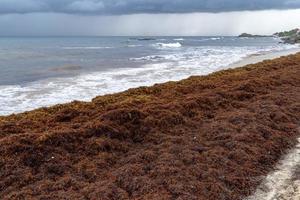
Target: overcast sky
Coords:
[(147, 17)]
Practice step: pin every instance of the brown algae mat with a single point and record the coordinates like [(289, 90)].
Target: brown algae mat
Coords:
[(206, 138)]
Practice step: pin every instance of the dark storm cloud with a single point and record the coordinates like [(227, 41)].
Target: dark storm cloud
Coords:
[(116, 7)]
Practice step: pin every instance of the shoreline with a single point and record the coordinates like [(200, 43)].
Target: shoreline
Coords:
[(283, 183), (254, 59), (205, 137), (36, 88)]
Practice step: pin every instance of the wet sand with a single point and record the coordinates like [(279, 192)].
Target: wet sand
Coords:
[(206, 138), (261, 57)]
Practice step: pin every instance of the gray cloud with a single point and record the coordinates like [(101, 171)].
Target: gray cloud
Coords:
[(229, 23), (117, 7), (86, 6), (20, 6)]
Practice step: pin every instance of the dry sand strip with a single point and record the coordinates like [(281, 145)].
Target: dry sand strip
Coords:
[(209, 137), (284, 182), (261, 57)]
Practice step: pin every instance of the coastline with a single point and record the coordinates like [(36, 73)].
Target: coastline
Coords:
[(84, 87), (261, 57), (205, 137)]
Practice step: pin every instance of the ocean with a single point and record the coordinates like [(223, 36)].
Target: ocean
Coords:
[(43, 71)]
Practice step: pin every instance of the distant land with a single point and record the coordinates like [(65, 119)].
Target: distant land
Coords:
[(251, 35), (288, 37)]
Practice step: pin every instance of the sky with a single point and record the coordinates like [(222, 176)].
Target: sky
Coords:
[(146, 17)]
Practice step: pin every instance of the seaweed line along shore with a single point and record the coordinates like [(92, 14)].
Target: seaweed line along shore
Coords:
[(202, 138)]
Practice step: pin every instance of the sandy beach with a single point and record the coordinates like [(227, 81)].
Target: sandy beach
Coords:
[(205, 137), (261, 57), (149, 100), (284, 182)]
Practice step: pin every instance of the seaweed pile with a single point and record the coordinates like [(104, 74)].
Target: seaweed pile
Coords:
[(205, 138)]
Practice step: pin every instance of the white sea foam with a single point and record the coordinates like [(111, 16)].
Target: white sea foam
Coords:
[(91, 48), (209, 39), (215, 38), (167, 45), (179, 39), (149, 58), (169, 66), (134, 45)]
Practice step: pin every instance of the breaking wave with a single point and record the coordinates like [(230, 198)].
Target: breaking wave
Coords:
[(179, 39), (157, 68), (168, 45), (91, 48)]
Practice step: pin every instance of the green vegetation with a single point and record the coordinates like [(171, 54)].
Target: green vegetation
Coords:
[(250, 35), (290, 37), (288, 33)]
